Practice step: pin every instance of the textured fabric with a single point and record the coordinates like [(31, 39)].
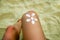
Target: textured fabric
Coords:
[(48, 11)]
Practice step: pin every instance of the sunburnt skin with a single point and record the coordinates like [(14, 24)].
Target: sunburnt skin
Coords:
[(32, 30), (12, 32), (31, 18)]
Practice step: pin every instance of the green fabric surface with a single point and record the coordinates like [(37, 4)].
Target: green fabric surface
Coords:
[(48, 11)]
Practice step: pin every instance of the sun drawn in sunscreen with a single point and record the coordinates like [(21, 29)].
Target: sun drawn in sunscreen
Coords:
[(31, 18)]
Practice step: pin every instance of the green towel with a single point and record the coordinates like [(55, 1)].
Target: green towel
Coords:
[(48, 11)]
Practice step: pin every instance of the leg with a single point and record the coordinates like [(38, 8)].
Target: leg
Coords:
[(12, 32), (18, 25), (31, 27)]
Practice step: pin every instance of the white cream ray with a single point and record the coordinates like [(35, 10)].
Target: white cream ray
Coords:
[(27, 15)]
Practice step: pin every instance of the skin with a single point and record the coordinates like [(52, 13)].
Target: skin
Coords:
[(32, 31), (12, 32), (18, 26)]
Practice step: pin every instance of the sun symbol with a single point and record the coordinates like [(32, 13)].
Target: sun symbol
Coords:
[(31, 18)]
